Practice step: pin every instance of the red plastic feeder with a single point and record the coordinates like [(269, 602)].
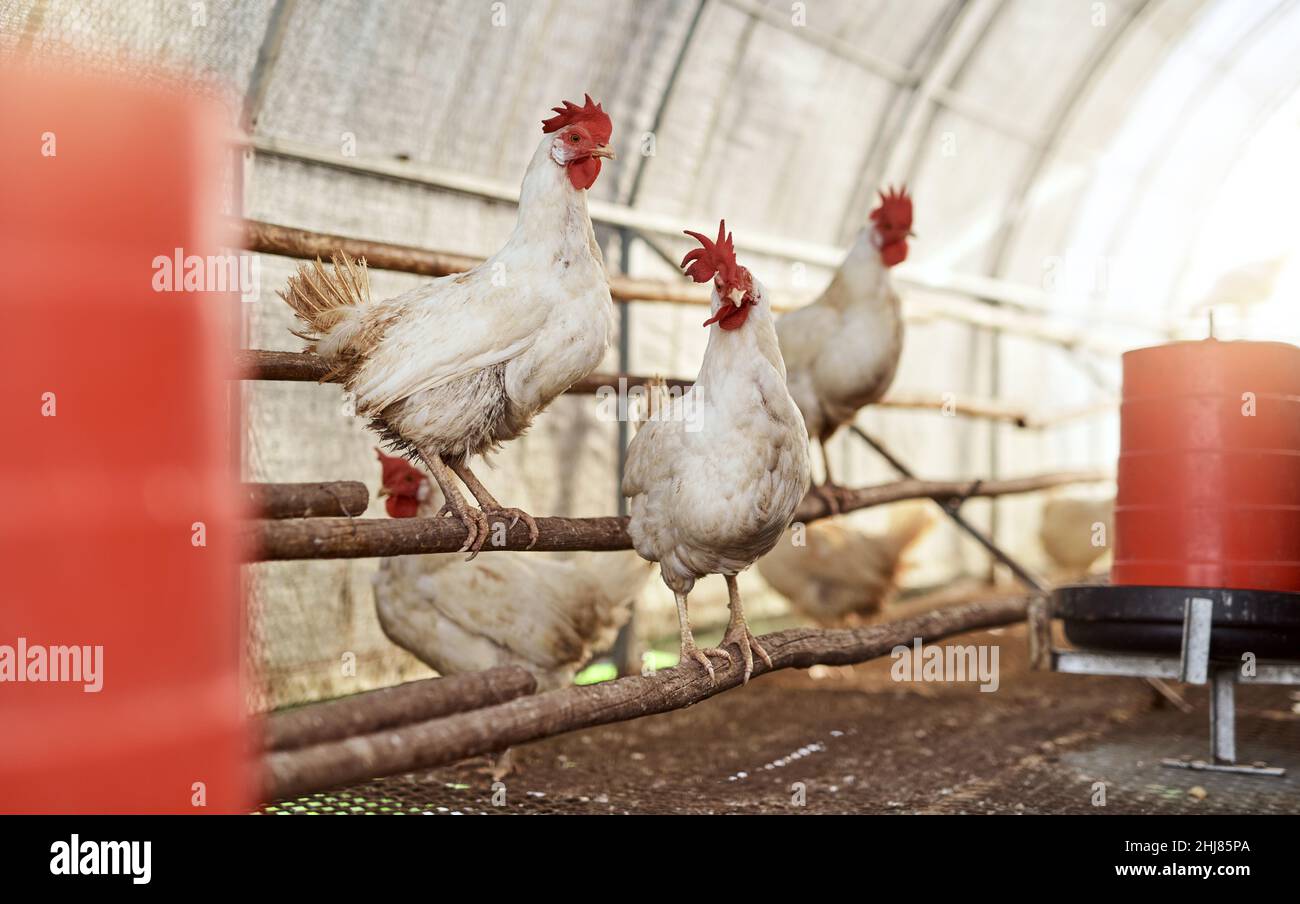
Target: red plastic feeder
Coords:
[(1208, 504), (1209, 467), (121, 685)]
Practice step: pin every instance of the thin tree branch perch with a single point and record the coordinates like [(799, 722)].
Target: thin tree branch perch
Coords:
[(354, 538), (287, 241), (308, 500), (414, 701), (977, 301), (256, 364), (300, 367), (424, 745)]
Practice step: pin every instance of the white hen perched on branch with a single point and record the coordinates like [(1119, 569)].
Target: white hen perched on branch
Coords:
[(459, 365), (842, 350), (715, 477)]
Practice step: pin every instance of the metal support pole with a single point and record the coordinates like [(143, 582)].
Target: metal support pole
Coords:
[(1025, 575), (1194, 660), (627, 658), (624, 652), (1223, 716)]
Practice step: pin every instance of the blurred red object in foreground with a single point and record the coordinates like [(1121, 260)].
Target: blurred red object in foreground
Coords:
[(1209, 467), (118, 516)]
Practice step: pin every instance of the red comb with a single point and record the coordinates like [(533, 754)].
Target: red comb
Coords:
[(589, 115), (714, 258), (895, 208)]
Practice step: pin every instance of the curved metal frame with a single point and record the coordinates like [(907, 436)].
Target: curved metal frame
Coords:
[(1238, 49), (1075, 95), (927, 60)]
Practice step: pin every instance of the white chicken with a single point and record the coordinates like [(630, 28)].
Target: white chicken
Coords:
[(842, 573), (1074, 532), (544, 614), (457, 366), (715, 476), (842, 350)]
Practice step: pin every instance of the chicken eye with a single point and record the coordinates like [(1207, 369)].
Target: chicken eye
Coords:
[(573, 136)]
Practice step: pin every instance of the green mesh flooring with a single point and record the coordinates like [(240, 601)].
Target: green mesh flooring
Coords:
[(382, 797)]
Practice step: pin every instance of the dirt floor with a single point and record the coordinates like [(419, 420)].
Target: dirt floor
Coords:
[(851, 740)]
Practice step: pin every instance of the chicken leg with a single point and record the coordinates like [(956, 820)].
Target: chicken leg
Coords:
[(475, 521), (489, 506), (827, 491), (689, 649), (738, 631)]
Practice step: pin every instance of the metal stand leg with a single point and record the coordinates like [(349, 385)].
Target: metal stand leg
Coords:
[(1223, 716), (1194, 668), (1194, 663)]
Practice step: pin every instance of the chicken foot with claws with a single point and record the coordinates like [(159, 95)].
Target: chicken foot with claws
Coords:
[(475, 521), (689, 649), (738, 631), (489, 506), (828, 490)]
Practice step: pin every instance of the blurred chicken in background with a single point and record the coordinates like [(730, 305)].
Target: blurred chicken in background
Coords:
[(842, 350), (545, 614), (844, 574), (1075, 533), (1242, 287), (1239, 297)]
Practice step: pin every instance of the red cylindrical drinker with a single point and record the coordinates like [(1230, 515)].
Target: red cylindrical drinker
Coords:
[(1209, 467)]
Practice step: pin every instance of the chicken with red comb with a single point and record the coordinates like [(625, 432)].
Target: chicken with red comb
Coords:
[(842, 350), (893, 225), (461, 364), (715, 477), (716, 260), (401, 486), (586, 131)]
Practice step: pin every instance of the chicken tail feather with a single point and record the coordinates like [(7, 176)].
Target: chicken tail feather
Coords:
[(323, 298)]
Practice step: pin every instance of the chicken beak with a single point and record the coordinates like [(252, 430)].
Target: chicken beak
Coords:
[(383, 491), (603, 150), (737, 296)]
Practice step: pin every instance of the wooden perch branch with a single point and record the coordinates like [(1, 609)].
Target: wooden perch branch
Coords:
[(359, 538), (287, 241), (353, 538), (300, 367), (308, 500), (414, 701), (256, 364), (986, 409), (437, 742), (943, 492), (968, 307)]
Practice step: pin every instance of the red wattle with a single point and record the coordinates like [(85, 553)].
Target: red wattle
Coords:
[(402, 506), (583, 173), (894, 253), (730, 317)]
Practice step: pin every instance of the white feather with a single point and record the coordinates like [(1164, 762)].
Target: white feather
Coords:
[(715, 479), (466, 361), (842, 350)]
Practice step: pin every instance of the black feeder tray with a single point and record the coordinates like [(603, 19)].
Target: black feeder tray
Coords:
[(1150, 619), (1196, 635)]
